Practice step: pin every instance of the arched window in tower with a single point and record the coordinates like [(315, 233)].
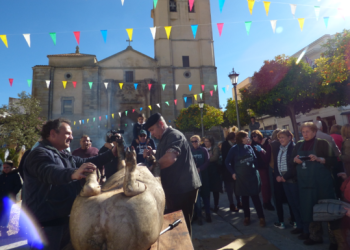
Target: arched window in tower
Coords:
[(190, 11), (172, 5)]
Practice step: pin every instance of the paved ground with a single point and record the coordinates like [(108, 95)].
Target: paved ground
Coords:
[(225, 228)]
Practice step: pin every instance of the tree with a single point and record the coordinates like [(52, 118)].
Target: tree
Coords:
[(230, 115), (190, 118), (22, 123), (284, 88)]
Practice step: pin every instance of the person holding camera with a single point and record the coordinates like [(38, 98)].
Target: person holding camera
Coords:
[(51, 182), (142, 144)]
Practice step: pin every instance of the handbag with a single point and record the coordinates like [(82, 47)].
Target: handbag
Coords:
[(329, 210)]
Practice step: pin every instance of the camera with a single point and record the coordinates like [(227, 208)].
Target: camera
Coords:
[(113, 135)]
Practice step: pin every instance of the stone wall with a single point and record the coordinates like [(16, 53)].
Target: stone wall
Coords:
[(39, 89)]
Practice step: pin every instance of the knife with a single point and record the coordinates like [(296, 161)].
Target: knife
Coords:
[(171, 226)]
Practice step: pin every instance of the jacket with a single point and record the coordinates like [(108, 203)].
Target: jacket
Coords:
[(291, 171), (136, 130), (345, 155), (10, 184), (263, 158), (226, 175), (49, 189)]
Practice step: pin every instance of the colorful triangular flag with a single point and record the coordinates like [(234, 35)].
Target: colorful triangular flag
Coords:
[(121, 85), (64, 84), (122, 2), (129, 31), (141, 109), (99, 118), (211, 92), (155, 3), (267, 7), (220, 26), (120, 114), (273, 25), (326, 19), (317, 11), (87, 120), (202, 87), (135, 85), (221, 4), (194, 28), (167, 103), (53, 37), (126, 113), (175, 101), (201, 95), (190, 86), (195, 97), (248, 24), (190, 2), (106, 117), (215, 87), (11, 81), (227, 87), (29, 83), (163, 85), (93, 119), (48, 83), (185, 98), (168, 31), (74, 84), (149, 86), (106, 84), (223, 89), (177, 86), (27, 37), (112, 115), (158, 105), (4, 40), (293, 8), (153, 31), (251, 6), (104, 35), (301, 23), (150, 107), (90, 84), (77, 36)]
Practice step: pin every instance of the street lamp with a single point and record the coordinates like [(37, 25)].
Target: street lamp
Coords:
[(234, 79), (201, 106)]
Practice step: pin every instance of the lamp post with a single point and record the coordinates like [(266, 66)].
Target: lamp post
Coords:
[(201, 106), (234, 79)]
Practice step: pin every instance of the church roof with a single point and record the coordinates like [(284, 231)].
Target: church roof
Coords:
[(71, 54), (129, 48)]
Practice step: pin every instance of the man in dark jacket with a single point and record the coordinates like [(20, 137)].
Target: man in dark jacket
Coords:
[(141, 145), (10, 184), (51, 185)]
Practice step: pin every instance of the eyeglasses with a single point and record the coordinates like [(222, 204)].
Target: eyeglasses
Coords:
[(194, 141)]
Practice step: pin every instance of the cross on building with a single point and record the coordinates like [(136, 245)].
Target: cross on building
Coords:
[(129, 41)]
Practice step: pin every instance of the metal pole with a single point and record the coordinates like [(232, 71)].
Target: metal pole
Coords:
[(202, 122), (239, 125)]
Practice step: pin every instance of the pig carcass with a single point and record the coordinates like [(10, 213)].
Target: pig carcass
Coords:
[(124, 213)]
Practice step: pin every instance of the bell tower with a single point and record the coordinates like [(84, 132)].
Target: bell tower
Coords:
[(183, 59)]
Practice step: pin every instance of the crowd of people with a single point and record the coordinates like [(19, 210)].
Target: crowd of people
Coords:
[(244, 166)]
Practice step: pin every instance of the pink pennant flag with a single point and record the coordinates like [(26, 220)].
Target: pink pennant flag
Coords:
[(203, 87), (133, 110), (191, 4), (74, 84), (77, 35), (175, 101), (11, 81), (99, 118), (220, 26), (211, 92), (149, 86)]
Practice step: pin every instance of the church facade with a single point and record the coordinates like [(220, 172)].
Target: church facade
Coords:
[(180, 60)]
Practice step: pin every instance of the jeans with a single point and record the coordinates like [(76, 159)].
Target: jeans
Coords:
[(257, 205), (230, 190), (198, 205), (292, 193)]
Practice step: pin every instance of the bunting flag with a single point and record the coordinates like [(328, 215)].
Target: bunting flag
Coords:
[(202, 87), (11, 81), (113, 116), (87, 120), (190, 86), (48, 83), (227, 87), (317, 11), (220, 26), (4, 40), (99, 118), (190, 2), (211, 92), (90, 84), (194, 28), (74, 84), (221, 5), (120, 114), (163, 85), (158, 105), (53, 37), (155, 3), (126, 113), (149, 86), (150, 107), (129, 31), (273, 25), (135, 85), (29, 83), (104, 35), (106, 117), (185, 98), (167, 103), (27, 37), (223, 89), (121, 85), (122, 2), (201, 95), (126, 124), (168, 31), (106, 84), (177, 86), (82, 121), (215, 87), (301, 23), (267, 7), (248, 24), (141, 109), (77, 36), (153, 31), (195, 97), (64, 84), (293, 8), (93, 119), (74, 123), (133, 110), (326, 19), (251, 6), (175, 101)]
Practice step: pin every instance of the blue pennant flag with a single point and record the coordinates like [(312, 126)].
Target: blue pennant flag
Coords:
[(194, 30), (223, 89), (185, 98), (78, 127), (82, 121), (135, 85), (326, 21), (190, 86), (106, 117), (140, 108), (104, 34), (221, 4)]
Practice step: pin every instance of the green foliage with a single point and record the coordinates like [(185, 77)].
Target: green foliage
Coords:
[(13, 156), (22, 123), (190, 118), (230, 115)]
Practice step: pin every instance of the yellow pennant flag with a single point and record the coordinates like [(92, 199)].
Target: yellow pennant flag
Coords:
[(121, 85), (195, 97), (168, 31), (129, 33), (64, 84), (251, 6), (267, 7), (150, 107), (74, 123), (87, 120), (113, 116), (4, 40), (301, 23)]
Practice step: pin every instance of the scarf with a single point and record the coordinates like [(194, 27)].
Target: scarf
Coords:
[(282, 159)]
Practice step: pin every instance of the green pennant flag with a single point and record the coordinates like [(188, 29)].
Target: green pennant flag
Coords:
[(248, 24), (53, 36), (90, 84), (29, 83), (126, 124), (94, 119), (215, 86), (167, 103), (163, 85), (200, 95), (126, 113), (155, 3)]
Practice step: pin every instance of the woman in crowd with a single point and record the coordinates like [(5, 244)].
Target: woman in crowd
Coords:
[(335, 133), (241, 161), (263, 161), (201, 158), (214, 171), (313, 159), (226, 175), (345, 150), (286, 180)]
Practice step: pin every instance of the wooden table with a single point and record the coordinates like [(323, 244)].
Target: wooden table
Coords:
[(175, 239)]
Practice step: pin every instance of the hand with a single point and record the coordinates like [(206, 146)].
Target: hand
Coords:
[(234, 176), (109, 145), (137, 141), (147, 152), (297, 160), (258, 148), (278, 178), (342, 175), (283, 180), (313, 157), (84, 168), (348, 211), (147, 141)]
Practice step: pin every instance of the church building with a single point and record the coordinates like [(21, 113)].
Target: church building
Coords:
[(180, 60)]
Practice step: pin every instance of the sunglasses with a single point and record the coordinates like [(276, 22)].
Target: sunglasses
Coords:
[(194, 141), (254, 136)]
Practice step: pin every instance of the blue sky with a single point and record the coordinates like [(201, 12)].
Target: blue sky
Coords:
[(234, 48)]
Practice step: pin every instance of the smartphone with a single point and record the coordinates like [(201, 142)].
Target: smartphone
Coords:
[(304, 158)]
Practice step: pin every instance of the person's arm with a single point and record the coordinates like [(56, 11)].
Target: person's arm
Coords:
[(266, 157), (230, 159), (98, 160), (215, 155), (17, 185), (325, 154), (173, 150), (276, 171), (206, 159), (335, 148), (345, 156)]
